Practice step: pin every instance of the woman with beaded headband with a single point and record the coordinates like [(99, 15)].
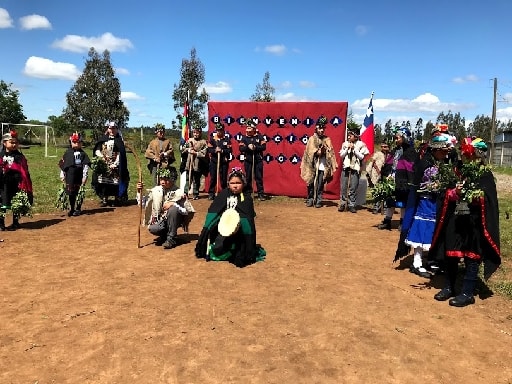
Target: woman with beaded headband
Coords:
[(238, 246), (74, 169), (14, 177)]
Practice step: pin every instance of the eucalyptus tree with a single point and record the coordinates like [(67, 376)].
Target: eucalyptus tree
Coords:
[(264, 91), (11, 111)]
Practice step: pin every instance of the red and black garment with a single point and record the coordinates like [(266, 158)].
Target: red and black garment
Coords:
[(14, 176)]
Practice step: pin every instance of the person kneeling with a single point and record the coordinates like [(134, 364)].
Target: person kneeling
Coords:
[(167, 209)]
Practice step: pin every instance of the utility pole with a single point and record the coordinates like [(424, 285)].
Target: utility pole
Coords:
[(493, 121)]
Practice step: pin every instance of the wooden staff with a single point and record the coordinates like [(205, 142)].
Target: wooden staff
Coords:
[(218, 174), (191, 165), (253, 181), (315, 181), (139, 190)]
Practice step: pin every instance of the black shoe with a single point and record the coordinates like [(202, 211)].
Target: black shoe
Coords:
[(103, 203), (70, 213), (14, 226), (462, 300), (196, 197), (211, 197), (309, 203), (342, 207), (422, 272), (444, 294), (385, 225), (261, 197), (159, 241), (77, 213), (318, 205), (352, 209), (169, 244)]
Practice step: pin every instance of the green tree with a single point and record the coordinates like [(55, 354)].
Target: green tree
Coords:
[(456, 124), (418, 130), (95, 98), (351, 124), (481, 127), (379, 136), (265, 90), (11, 111), (192, 76), (60, 125)]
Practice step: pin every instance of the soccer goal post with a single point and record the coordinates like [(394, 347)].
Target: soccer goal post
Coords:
[(34, 131)]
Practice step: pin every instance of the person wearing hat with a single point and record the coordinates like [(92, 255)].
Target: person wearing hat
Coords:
[(399, 168), (159, 153), (220, 151), (318, 164), (352, 154), (195, 151), (110, 149), (420, 211), (167, 209), (472, 234), (252, 147), (14, 177), (74, 169)]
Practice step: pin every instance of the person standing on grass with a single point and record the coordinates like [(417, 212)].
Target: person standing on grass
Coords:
[(196, 165), (110, 148), (14, 177), (74, 169), (159, 153)]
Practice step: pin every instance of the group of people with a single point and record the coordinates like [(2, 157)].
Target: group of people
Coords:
[(319, 165), (448, 208)]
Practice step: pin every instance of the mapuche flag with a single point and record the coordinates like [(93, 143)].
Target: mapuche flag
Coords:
[(367, 131), (184, 125)]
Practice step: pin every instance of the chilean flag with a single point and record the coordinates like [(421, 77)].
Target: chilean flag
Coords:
[(367, 131)]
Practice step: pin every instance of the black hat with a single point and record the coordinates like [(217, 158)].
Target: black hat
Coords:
[(219, 126)]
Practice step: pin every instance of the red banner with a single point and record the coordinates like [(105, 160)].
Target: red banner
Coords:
[(286, 126)]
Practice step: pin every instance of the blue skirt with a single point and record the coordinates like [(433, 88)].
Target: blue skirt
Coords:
[(422, 228)]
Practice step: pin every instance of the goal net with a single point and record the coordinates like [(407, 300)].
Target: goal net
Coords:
[(34, 134)]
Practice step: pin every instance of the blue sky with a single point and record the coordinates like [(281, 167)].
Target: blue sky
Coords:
[(420, 58)]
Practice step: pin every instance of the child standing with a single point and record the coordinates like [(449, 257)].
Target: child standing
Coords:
[(14, 177), (238, 247), (74, 168)]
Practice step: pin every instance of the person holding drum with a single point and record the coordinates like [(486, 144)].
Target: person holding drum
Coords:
[(229, 231)]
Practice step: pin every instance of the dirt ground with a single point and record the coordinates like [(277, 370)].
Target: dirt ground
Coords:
[(82, 304)]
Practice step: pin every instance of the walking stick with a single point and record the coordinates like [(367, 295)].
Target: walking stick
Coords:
[(315, 181), (190, 172), (139, 168), (253, 182), (218, 174)]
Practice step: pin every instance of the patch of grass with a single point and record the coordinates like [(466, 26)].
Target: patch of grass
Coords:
[(502, 170)]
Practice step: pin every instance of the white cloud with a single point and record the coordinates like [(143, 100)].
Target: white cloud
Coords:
[(5, 19), (504, 114), (361, 30), (47, 69), (122, 71), (286, 84), (75, 43), (35, 22), (306, 84), (130, 96), (278, 49), (465, 79), (218, 88), (290, 96)]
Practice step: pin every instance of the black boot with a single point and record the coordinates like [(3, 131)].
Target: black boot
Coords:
[(386, 224), (15, 224), (468, 285), (2, 223)]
